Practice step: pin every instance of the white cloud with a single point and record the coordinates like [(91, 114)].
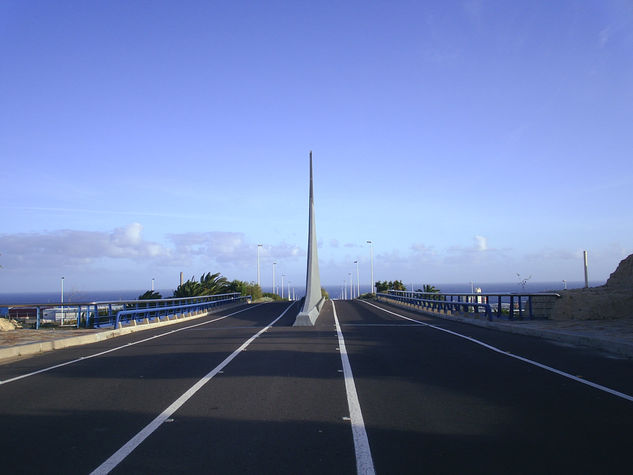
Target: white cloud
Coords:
[(71, 247), (228, 247), (482, 243)]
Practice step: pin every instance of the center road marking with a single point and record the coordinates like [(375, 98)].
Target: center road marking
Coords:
[(127, 345), (364, 461), (520, 358), (119, 455)]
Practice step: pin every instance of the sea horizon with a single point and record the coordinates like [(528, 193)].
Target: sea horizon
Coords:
[(335, 291)]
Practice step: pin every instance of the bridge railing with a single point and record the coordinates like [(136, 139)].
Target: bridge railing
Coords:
[(158, 313), (503, 305), (113, 313)]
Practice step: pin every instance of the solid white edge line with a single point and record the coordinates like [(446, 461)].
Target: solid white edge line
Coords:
[(135, 441), (520, 358), (127, 345), (364, 461)]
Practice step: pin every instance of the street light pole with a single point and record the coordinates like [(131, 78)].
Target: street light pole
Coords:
[(371, 259), (274, 285), (258, 276), (62, 301), (357, 280), (152, 284), (282, 285), (351, 286)]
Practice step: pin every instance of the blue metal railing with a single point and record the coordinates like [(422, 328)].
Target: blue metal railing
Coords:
[(113, 313), (437, 305), (158, 312), (509, 306)]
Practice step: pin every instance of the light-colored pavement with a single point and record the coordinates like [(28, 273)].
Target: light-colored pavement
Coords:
[(25, 337)]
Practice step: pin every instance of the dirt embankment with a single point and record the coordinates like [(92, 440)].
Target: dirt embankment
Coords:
[(6, 325), (614, 300)]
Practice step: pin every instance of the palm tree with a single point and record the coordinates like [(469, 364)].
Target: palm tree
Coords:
[(191, 288), (429, 289), (150, 295), (210, 284), (213, 284)]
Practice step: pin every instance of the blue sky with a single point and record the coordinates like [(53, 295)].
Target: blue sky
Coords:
[(470, 141)]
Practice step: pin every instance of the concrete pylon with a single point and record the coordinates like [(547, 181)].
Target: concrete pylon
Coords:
[(313, 301)]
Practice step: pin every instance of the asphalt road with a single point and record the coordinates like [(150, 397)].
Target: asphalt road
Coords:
[(227, 395)]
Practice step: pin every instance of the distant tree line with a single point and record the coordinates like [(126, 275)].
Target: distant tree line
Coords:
[(209, 284), (389, 285)]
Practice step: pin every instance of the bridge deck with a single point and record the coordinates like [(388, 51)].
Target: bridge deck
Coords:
[(432, 401)]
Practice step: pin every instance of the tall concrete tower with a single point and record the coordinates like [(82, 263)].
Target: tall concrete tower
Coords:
[(313, 302)]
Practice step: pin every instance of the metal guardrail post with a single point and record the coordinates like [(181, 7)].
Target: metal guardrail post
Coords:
[(37, 319), (531, 315)]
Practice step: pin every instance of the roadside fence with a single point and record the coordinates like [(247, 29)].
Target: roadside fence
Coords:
[(506, 306), (115, 313)]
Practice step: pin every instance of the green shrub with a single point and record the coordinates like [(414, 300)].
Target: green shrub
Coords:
[(270, 295)]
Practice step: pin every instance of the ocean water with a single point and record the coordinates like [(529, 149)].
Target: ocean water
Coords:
[(75, 296), (335, 291)]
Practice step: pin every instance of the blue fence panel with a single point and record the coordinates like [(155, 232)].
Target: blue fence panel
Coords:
[(507, 305), (110, 313)]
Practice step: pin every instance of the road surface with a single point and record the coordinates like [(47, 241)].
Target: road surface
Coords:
[(389, 390)]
